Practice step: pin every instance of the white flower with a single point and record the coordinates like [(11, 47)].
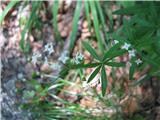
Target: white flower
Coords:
[(79, 57), (55, 66), (116, 41), (35, 56), (49, 48), (138, 61), (63, 58), (131, 53), (126, 46)]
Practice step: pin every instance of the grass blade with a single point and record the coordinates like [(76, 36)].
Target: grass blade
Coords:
[(96, 25), (102, 20), (86, 5), (25, 44), (75, 24), (55, 24), (7, 9)]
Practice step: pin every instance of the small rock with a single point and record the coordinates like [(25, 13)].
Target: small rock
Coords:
[(85, 35), (45, 68), (20, 75), (16, 23), (63, 33), (85, 24), (14, 13), (86, 30)]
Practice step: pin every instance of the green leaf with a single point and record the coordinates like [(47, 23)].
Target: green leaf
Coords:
[(64, 72), (96, 25), (115, 54), (137, 9), (93, 74), (103, 80), (7, 9), (75, 24), (131, 71), (88, 65), (90, 50), (115, 64), (126, 4), (110, 51), (78, 66), (25, 44)]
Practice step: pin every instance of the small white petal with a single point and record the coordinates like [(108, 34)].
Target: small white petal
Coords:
[(138, 61), (131, 53), (126, 46), (55, 66), (116, 41)]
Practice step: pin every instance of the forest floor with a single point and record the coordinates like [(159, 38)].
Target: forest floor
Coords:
[(16, 67)]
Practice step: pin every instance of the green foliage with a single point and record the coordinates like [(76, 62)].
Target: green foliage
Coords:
[(142, 31), (7, 9), (91, 50), (55, 24), (24, 44), (94, 74), (96, 26), (103, 80), (100, 63), (75, 25)]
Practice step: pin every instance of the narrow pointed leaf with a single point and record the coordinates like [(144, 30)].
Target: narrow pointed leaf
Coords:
[(111, 50), (95, 72), (115, 54), (131, 71), (103, 80), (138, 9), (88, 65), (90, 50), (115, 64)]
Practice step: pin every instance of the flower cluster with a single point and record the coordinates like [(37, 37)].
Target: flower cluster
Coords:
[(64, 57), (36, 55), (78, 59), (55, 66), (49, 48), (131, 52)]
